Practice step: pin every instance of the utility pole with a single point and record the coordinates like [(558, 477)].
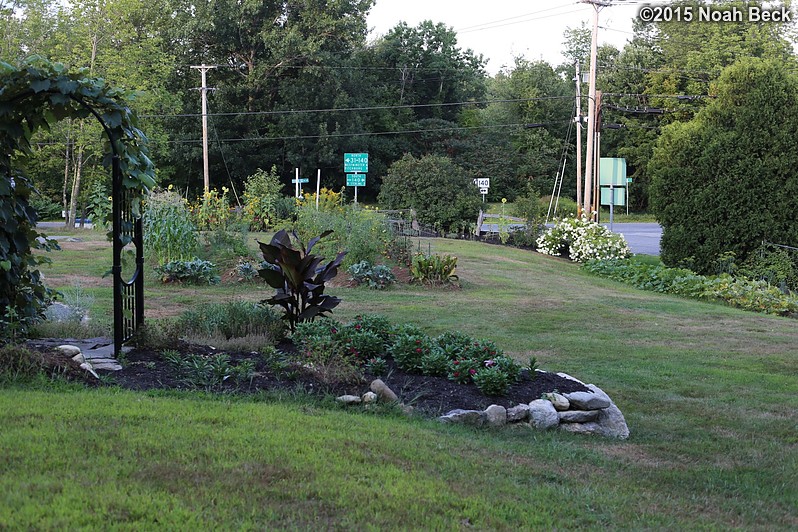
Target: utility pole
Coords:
[(591, 105), (578, 120), (204, 89)]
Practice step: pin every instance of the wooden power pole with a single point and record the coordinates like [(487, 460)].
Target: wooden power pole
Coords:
[(590, 168), (578, 120), (204, 90)]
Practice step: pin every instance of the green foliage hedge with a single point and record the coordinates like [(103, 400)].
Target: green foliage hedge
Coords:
[(747, 294), (441, 193), (725, 181)]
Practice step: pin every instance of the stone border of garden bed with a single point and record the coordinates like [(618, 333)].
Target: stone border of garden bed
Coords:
[(590, 412)]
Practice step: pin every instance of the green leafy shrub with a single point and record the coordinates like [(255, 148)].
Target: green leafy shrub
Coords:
[(329, 362), (441, 192), (100, 206), (376, 366), (408, 350), (228, 242), (716, 183), (45, 207), (435, 363), (773, 265), (375, 323), (23, 296), (462, 370), (747, 294), (196, 271), (169, 233), (581, 239), (434, 269), (377, 277), (357, 341), (208, 372), (285, 208), (261, 194), (491, 381), (299, 277), (362, 232), (528, 206), (324, 327)]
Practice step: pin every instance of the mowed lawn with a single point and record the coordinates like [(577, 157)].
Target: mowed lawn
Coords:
[(710, 395)]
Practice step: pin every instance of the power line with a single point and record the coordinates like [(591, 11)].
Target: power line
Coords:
[(352, 109), (362, 134)]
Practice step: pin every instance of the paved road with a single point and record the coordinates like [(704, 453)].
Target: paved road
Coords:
[(643, 238)]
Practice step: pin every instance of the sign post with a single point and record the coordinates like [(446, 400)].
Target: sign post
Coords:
[(298, 184), (356, 163), (613, 182), (484, 184)]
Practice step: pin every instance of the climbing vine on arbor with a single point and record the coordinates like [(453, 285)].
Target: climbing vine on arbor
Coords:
[(34, 95)]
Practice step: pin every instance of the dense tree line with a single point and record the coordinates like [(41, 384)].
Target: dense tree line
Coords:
[(298, 82)]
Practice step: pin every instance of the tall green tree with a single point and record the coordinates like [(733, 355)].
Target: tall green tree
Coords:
[(725, 181)]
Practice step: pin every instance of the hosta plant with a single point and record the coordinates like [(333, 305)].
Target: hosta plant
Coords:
[(299, 277)]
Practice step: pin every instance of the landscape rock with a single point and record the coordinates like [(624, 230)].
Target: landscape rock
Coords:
[(517, 413), (610, 424), (79, 358), (369, 397), (69, 350), (108, 364), (87, 367), (599, 392), (543, 415), (349, 399), (579, 416), (382, 390), (496, 416), (466, 417), (587, 401), (559, 401)]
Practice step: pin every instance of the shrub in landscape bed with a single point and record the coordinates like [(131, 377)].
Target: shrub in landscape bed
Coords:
[(17, 363), (739, 292), (441, 192), (409, 349), (299, 277), (261, 193), (581, 239)]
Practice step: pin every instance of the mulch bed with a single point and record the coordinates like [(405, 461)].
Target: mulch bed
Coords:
[(430, 396)]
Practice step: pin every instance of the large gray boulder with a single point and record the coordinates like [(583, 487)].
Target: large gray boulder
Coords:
[(543, 415)]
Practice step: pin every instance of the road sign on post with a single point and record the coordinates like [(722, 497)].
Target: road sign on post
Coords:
[(356, 163), (356, 180)]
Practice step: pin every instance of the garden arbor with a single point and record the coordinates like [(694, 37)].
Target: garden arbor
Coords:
[(35, 95)]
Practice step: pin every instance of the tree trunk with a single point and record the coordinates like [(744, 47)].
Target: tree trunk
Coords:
[(73, 200), (67, 157)]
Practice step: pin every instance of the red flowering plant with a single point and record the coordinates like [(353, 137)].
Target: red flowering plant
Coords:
[(409, 349), (462, 370)]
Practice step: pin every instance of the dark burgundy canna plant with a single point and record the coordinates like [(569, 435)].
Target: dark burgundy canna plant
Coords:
[(298, 277)]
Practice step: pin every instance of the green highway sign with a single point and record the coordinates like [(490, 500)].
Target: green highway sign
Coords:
[(356, 162), (299, 180), (612, 171), (356, 180)]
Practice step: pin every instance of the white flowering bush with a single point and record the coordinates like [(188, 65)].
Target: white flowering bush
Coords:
[(582, 240)]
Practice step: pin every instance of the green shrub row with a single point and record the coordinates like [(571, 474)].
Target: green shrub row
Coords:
[(748, 294), (361, 344)]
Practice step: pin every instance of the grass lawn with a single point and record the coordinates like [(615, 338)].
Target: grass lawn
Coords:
[(710, 394)]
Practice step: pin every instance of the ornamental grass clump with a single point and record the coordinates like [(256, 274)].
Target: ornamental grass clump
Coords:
[(581, 240)]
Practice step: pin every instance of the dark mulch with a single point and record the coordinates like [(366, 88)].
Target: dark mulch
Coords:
[(146, 369)]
